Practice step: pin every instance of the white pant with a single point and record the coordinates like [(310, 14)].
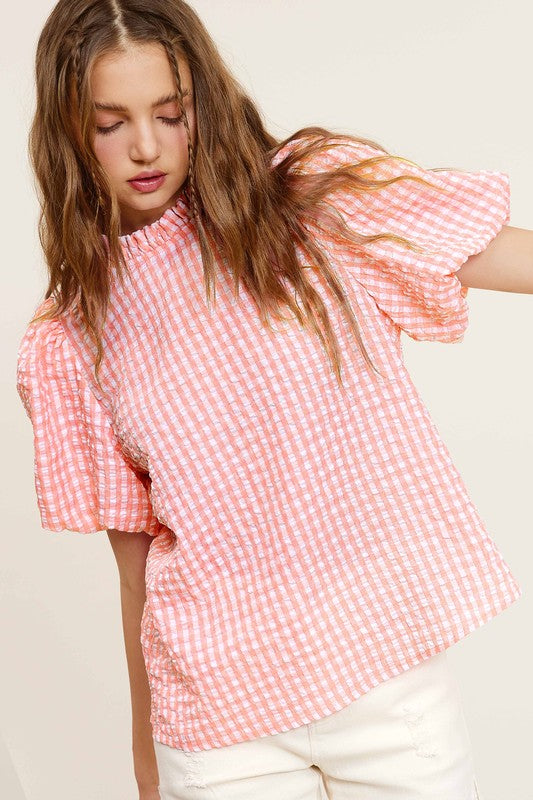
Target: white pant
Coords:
[(405, 739)]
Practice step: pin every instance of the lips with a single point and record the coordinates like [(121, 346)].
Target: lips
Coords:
[(145, 175), (148, 181)]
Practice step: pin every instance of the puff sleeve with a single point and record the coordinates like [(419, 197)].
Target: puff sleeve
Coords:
[(83, 482), (452, 218)]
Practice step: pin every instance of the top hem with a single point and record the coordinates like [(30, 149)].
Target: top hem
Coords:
[(323, 709)]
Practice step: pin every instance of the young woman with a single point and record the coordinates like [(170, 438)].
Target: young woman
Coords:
[(215, 377)]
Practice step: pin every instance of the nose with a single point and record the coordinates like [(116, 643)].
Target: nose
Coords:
[(145, 144)]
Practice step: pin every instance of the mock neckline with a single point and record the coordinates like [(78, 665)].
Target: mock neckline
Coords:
[(161, 229)]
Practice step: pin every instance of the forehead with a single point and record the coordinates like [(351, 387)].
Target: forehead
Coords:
[(136, 75)]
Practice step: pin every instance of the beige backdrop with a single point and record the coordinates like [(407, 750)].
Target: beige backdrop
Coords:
[(445, 84)]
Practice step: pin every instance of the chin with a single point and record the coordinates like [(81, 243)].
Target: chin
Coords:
[(149, 205), (154, 199), (148, 202)]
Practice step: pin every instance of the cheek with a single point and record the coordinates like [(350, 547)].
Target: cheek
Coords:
[(182, 137), (109, 151), (175, 147)]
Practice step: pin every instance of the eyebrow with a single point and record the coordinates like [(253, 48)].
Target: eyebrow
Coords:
[(169, 98)]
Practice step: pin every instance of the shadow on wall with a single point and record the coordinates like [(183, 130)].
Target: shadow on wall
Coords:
[(10, 785)]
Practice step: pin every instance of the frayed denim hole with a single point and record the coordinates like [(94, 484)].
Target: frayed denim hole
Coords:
[(192, 776), (420, 733)]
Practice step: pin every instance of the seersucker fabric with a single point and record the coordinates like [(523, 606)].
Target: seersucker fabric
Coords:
[(309, 541)]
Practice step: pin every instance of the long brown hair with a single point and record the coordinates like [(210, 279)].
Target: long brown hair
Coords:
[(251, 214)]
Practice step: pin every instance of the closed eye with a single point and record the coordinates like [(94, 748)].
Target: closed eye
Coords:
[(110, 129), (172, 120), (165, 120)]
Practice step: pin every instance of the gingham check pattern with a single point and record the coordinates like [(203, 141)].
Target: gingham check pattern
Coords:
[(309, 542)]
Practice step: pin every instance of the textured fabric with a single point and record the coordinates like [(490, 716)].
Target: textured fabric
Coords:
[(82, 481), (406, 738), (310, 541)]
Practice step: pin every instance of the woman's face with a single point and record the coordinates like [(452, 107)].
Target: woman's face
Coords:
[(138, 129)]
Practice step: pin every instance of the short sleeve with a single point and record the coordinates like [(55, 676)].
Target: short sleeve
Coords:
[(455, 215), (82, 480)]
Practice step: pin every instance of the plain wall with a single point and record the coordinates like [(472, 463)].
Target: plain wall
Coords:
[(444, 84)]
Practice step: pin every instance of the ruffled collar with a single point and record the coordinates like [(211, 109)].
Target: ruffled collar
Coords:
[(173, 219)]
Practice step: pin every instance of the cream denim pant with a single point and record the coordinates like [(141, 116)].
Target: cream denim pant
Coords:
[(405, 739)]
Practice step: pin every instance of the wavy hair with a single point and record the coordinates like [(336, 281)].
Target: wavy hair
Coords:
[(247, 213)]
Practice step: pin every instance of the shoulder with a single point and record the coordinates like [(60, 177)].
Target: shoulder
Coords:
[(43, 340), (318, 153), (44, 355)]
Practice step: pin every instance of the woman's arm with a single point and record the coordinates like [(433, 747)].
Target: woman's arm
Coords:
[(506, 264), (130, 551)]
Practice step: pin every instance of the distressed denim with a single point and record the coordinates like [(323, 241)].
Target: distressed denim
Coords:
[(405, 739)]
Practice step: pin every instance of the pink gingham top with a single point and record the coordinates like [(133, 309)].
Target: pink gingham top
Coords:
[(309, 542)]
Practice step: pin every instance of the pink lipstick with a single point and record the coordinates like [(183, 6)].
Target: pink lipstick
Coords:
[(148, 181)]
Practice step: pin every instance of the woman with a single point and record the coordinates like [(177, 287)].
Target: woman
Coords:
[(295, 546)]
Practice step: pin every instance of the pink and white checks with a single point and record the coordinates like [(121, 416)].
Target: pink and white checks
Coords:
[(309, 542)]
